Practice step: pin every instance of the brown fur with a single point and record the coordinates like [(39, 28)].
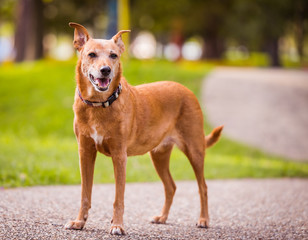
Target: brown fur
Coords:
[(147, 118)]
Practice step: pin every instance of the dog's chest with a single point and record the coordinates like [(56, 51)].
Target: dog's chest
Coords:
[(100, 140), (96, 136)]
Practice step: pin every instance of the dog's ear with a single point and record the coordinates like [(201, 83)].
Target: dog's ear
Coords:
[(81, 35), (118, 39)]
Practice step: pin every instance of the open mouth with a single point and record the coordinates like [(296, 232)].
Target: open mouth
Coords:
[(101, 84)]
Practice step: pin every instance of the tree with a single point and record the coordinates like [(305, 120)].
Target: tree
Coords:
[(208, 19), (29, 30), (257, 24), (34, 18), (300, 24), (187, 18), (91, 13), (260, 24)]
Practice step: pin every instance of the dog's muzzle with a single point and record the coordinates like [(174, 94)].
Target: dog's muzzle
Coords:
[(100, 84)]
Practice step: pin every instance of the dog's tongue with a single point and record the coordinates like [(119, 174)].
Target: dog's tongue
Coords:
[(102, 82)]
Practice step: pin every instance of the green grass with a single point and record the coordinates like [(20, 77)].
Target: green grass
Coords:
[(254, 59), (260, 59), (38, 147)]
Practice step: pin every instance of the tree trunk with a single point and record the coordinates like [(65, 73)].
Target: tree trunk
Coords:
[(273, 51), (300, 19), (29, 30), (300, 37), (214, 47)]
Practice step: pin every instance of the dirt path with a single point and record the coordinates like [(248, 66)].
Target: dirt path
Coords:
[(266, 108), (239, 209)]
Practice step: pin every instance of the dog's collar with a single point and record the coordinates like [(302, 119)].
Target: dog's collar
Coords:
[(114, 96)]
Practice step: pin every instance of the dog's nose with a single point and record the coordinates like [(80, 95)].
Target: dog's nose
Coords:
[(105, 71)]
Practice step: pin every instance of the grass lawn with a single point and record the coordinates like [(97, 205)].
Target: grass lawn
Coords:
[(38, 147)]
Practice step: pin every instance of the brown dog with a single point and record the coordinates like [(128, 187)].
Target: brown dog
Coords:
[(120, 120)]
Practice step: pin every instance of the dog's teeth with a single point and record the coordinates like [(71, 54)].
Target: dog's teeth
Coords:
[(100, 82)]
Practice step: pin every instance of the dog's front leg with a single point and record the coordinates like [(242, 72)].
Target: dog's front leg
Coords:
[(87, 155), (119, 165)]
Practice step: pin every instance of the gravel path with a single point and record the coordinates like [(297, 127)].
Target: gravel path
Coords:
[(266, 108), (239, 209)]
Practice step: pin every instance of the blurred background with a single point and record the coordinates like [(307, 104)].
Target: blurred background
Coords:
[(256, 32), (178, 40)]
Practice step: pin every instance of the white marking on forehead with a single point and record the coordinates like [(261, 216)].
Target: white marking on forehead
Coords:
[(103, 42), (98, 139), (107, 45)]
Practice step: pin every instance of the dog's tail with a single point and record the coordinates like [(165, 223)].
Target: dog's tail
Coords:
[(213, 137)]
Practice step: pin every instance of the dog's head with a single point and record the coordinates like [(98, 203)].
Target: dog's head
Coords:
[(99, 58)]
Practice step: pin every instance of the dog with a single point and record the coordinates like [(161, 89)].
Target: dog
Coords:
[(120, 120)]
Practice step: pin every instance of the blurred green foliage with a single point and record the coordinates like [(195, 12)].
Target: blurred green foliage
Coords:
[(38, 147), (258, 25)]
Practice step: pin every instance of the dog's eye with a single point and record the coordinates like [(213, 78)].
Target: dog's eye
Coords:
[(92, 55), (113, 55)]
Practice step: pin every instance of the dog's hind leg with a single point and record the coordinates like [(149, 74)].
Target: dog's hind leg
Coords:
[(196, 153), (191, 141), (197, 162), (160, 158)]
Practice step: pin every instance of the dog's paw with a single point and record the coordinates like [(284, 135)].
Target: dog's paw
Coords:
[(117, 230), (203, 223), (75, 225), (159, 219)]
